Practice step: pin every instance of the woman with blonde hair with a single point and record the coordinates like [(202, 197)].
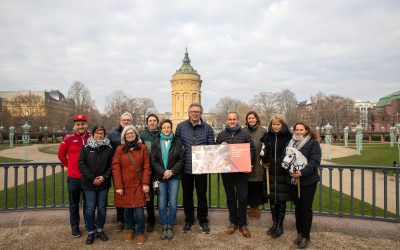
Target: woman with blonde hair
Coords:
[(131, 173), (275, 141)]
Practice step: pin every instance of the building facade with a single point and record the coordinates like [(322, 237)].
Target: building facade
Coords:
[(386, 113)]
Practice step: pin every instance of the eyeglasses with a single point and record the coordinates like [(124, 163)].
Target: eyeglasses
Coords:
[(195, 112), (99, 133), (126, 120), (130, 133)]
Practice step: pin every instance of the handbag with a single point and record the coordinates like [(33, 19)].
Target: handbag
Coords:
[(139, 173)]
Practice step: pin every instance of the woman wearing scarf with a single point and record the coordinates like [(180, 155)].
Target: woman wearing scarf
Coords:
[(256, 177), (304, 141), (167, 162), (131, 172), (275, 141), (95, 165)]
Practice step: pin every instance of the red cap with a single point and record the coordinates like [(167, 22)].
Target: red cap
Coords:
[(80, 117)]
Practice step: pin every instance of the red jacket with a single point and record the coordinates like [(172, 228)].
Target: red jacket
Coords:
[(69, 151), (125, 177)]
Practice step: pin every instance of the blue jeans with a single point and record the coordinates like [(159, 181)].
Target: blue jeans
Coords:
[(138, 212), (74, 194), (168, 193), (96, 199)]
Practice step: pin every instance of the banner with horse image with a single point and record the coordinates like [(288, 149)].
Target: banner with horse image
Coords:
[(224, 158)]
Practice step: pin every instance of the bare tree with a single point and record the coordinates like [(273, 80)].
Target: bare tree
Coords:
[(227, 104), (334, 109), (81, 97), (116, 104), (145, 107), (286, 104), (30, 108)]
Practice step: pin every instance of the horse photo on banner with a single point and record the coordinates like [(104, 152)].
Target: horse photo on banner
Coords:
[(224, 158)]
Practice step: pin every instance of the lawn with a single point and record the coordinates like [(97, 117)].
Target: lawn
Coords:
[(7, 159), (371, 155)]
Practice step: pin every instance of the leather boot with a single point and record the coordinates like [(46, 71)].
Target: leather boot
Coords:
[(298, 239), (257, 213), (303, 243), (280, 218), (274, 219), (251, 213)]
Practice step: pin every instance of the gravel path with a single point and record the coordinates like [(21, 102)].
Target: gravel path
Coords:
[(48, 229)]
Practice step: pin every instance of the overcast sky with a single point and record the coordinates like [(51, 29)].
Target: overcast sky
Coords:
[(240, 48)]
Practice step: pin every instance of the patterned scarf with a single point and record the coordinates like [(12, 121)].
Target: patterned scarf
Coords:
[(96, 144), (298, 142), (165, 142)]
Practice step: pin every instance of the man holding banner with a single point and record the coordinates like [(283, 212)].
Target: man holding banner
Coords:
[(236, 183), (191, 132)]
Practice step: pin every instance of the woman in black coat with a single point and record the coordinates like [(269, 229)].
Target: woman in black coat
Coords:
[(304, 141), (275, 141)]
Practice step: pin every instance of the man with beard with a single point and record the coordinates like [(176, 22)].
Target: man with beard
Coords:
[(68, 153)]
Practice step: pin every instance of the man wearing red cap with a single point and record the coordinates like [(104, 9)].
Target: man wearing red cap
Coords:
[(68, 153)]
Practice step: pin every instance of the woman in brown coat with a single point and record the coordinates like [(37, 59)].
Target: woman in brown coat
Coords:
[(131, 173)]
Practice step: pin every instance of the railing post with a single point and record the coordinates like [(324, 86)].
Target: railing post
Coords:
[(26, 186), (53, 186), (44, 185), (330, 190), (16, 187), (320, 190), (352, 192), (385, 193), (341, 191), (34, 186), (5, 197), (362, 192), (62, 186)]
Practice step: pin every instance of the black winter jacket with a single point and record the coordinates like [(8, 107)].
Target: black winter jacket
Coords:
[(240, 136), (275, 145), (309, 174), (95, 162), (190, 136), (175, 159), (115, 137)]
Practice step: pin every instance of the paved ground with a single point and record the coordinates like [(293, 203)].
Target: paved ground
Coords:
[(48, 229)]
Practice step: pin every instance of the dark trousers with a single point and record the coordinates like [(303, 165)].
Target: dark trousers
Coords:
[(255, 195), (74, 194), (151, 219), (236, 189), (189, 181), (303, 208)]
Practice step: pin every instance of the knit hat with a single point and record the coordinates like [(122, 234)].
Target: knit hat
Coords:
[(98, 127)]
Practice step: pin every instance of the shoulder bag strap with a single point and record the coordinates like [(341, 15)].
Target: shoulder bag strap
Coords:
[(138, 172)]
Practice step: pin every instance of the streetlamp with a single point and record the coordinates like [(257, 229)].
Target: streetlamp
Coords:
[(346, 136), (359, 137), (328, 140)]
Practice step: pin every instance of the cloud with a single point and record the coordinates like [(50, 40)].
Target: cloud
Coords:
[(239, 48)]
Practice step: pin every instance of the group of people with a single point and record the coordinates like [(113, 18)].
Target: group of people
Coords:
[(157, 160)]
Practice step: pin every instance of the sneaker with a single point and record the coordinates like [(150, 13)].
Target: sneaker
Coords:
[(90, 238), (76, 232), (204, 228), (120, 226), (170, 232), (102, 236), (187, 227), (141, 239), (163, 234)]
